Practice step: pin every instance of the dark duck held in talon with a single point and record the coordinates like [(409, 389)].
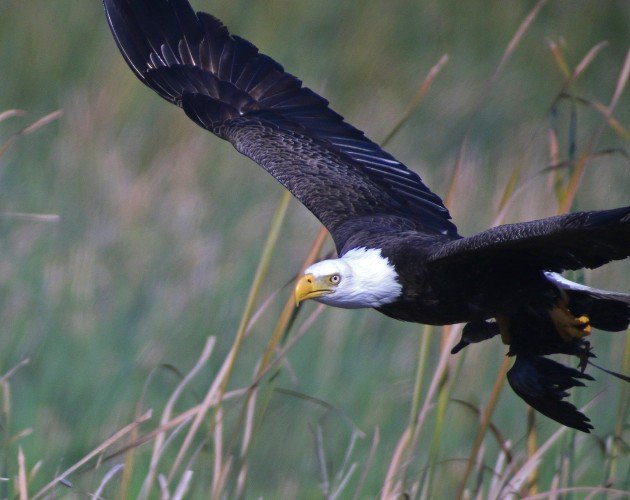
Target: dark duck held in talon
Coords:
[(398, 250)]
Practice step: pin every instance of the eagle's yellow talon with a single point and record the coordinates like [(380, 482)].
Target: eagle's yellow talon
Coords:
[(568, 326)]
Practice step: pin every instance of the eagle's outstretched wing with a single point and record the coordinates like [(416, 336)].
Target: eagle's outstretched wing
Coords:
[(225, 85), (572, 241)]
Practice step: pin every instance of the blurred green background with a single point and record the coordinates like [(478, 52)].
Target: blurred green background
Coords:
[(161, 224)]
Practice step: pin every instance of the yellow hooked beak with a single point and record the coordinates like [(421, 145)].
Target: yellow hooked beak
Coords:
[(309, 287)]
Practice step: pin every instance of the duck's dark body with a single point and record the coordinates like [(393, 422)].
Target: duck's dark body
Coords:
[(368, 199)]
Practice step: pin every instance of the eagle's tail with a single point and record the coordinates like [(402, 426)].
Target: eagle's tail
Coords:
[(606, 310), (543, 384)]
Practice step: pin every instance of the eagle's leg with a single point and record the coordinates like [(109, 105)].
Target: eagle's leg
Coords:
[(568, 326), (504, 329)]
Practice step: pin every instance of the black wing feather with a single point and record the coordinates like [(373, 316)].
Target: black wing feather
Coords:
[(176, 52), (572, 241), (543, 384)]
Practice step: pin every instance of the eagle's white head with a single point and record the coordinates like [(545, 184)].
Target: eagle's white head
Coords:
[(360, 278)]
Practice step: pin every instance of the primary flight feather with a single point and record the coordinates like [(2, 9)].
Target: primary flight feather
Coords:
[(398, 250)]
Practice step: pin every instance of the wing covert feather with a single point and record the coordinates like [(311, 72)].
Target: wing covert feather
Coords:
[(564, 242), (224, 82)]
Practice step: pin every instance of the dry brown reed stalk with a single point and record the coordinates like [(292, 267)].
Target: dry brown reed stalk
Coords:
[(289, 307), (288, 312), (505, 57), (623, 410), (395, 477), (580, 165), (565, 203), (6, 402), (33, 127), (158, 446), (417, 100), (8, 375), (368, 463), (498, 436), (108, 443), (409, 439), (589, 492), (111, 473), (520, 477), (30, 217), (249, 416), (483, 426), (10, 113), (459, 163), (393, 484), (132, 438), (22, 481), (176, 422), (532, 446), (219, 385)]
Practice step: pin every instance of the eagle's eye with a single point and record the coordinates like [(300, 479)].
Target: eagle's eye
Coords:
[(335, 279)]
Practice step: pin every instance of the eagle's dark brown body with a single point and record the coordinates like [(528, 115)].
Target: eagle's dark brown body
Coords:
[(368, 199)]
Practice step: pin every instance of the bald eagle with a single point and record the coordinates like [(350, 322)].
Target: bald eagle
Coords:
[(398, 251)]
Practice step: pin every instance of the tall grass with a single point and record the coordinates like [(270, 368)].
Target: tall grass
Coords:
[(151, 343)]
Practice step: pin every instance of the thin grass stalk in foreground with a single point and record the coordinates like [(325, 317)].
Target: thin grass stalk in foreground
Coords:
[(219, 385), (582, 162), (177, 421), (532, 446), (10, 113), (622, 414), (409, 439), (94, 453), (506, 56), (34, 127), (22, 482), (436, 438), (130, 455), (572, 76), (562, 191), (571, 191), (288, 311), (444, 398), (519, 477), (423, 352), (289, 307), (610, 493), (510, 49), (106, 479), (158, 446), (281, 353), (283, 324), (419, 97), (483, 426), (425, 342), (411, 435), (368, 463)]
